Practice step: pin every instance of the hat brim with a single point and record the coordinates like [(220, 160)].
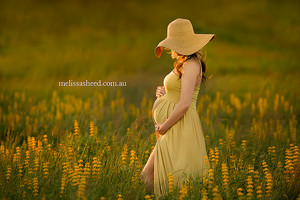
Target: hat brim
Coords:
[(184, 45)]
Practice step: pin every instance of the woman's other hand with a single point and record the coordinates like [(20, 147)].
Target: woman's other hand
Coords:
[(160, 91), (160, 128)]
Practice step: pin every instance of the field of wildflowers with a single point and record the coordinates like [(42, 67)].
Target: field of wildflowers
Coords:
[(252, 147)]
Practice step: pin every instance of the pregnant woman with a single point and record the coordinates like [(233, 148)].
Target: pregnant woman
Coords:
[(180, 148)]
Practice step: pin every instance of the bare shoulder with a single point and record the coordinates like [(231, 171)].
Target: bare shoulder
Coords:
[(191, 65)]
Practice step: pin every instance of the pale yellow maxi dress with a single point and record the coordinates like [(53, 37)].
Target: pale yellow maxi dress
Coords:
[(181, 150)]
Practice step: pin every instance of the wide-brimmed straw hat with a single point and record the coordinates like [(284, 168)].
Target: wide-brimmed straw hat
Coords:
[(182, 39)]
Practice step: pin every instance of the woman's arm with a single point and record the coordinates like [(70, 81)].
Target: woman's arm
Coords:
[(188, 81)]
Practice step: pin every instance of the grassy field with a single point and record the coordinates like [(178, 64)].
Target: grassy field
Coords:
[(92, 142)]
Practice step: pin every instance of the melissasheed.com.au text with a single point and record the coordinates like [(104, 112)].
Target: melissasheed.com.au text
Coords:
[(87, 83)]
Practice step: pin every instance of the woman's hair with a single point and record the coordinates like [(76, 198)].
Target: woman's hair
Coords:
[(180, 59)]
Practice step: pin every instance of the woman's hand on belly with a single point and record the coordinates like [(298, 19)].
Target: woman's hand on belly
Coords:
[(159, 128), (160, 91)]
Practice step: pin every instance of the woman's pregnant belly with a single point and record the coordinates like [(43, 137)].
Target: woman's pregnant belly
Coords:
[(157, 118)]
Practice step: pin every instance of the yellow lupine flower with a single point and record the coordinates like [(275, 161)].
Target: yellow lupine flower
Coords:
[(35, 186), (259, 192), (183, 191), (216, 193), (8, 173), (92, 129), (204, 194), (171, 184), (147, 197), (76, 128), (240, 192), (119, 197), (133, 157)]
